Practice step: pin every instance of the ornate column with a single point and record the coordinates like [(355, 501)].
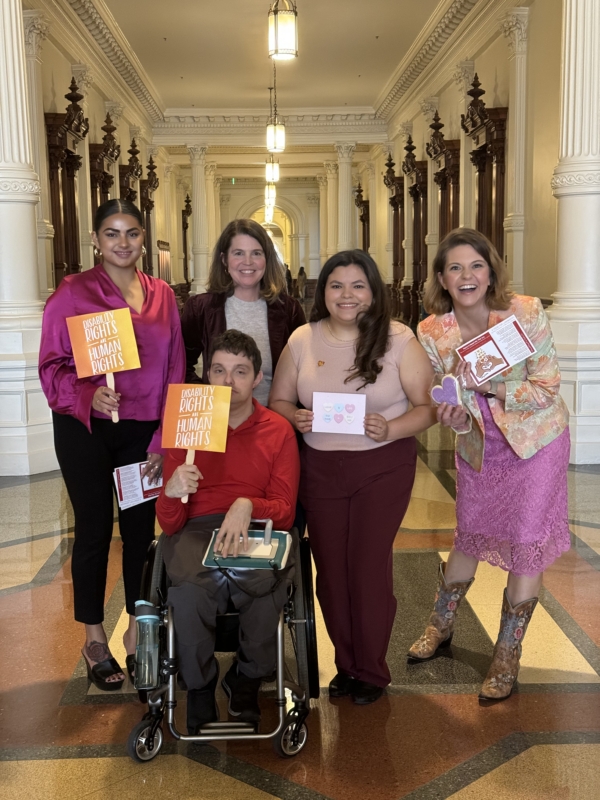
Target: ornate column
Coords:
[(345, 152), (26, 444), (322, 181), (209, 175), (84, 79), (313, 263), (514, 27), (432, 235), (199, 218), (463, 77), (217, 193), (331, 169), (575, 314), (36, 30), (294, 253), (182, 189)]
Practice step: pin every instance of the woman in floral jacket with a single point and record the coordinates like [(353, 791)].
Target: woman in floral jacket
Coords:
[(512, 450)]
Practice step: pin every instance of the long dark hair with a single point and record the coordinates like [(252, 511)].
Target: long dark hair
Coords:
[(373, 325), (116, 207), (272, 283)]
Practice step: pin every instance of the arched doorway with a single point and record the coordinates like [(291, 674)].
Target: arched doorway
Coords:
[(280, 230)]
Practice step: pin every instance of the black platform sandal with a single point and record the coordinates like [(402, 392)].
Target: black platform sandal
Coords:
[(102, 671)]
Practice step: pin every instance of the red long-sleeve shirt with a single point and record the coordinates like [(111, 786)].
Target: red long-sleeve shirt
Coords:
[(261, 463)]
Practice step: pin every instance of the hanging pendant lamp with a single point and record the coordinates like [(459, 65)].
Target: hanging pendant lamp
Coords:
[(283, 30), (272, 170), (269, 210), (270, 194), (275, 125)]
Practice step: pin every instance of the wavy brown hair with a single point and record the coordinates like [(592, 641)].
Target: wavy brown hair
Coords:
[(438, 301), (219, 280), (373, 325)]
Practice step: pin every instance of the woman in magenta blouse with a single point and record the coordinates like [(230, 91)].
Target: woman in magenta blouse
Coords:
[(89, 446)]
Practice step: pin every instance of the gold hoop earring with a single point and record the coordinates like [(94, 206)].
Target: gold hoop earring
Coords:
[(97, 253), (144, 251)]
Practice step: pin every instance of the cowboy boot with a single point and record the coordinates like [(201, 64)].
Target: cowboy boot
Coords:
[(440, 628), (503, 671)]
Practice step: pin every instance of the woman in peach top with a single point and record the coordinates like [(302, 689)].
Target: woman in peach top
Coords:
[(355, 488), (512, 450)]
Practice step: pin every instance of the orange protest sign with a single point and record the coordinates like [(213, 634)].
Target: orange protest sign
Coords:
[(196, 417), (103, 342)]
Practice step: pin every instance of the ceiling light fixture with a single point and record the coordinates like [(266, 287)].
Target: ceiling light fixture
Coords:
[(272, 170), (270, 194), (283, 30), (269, 210), (275, 125)]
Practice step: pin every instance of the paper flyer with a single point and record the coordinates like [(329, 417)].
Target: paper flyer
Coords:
[(336, 412), (196, 417), (500, 347), (103, 342), (132, 489)]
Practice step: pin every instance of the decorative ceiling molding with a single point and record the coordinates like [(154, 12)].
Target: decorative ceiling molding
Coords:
[(432, 38), (249, 129), (222, 150), (95, 22)]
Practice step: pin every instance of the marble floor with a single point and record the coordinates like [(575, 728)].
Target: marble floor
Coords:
[(427, 738)]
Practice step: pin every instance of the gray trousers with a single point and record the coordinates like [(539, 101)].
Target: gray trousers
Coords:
[(199, 593)]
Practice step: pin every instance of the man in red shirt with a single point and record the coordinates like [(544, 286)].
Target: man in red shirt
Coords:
[(256, 477)]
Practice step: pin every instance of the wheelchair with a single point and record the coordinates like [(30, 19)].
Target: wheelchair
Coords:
[(297, 619)]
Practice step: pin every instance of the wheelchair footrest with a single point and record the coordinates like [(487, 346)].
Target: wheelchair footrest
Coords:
[(227, 727)]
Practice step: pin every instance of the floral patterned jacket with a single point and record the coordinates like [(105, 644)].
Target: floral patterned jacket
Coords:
[(534, 413)]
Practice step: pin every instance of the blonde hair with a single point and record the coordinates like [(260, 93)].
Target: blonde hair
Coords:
[(273, 281), (437, 300)]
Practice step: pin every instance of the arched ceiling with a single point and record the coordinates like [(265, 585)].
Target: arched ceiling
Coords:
[(205, 54)]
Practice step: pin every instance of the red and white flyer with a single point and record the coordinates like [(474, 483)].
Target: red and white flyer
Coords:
[(499, 348), (132, 489)]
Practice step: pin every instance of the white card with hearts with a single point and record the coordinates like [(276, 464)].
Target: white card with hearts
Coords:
[(336, 412)]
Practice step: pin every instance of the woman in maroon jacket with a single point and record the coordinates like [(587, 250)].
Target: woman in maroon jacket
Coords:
[(246, 291)]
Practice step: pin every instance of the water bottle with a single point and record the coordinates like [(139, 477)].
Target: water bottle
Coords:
[(146, 651)]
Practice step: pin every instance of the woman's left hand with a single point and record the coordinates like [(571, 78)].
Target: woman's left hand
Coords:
[(153, 469), (376, 427)]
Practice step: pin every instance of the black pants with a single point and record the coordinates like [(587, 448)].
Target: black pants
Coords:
[(87, 462)]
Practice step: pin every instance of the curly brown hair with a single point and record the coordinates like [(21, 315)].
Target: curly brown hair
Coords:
[(438, 301), (373, 325), (219, 280)]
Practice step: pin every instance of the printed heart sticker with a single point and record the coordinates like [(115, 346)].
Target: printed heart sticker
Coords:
[(338, 418), (326, 417), (327, 407), (350, 408), (338, 408), (349, 418), (448, 392)]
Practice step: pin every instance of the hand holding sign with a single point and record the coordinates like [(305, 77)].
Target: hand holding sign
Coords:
[(103, 343), (196, 418)]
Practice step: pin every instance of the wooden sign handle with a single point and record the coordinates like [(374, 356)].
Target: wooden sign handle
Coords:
[(110, 382), (189, 460)]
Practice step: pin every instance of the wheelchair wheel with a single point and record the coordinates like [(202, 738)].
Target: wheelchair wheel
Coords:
[(292, 738), (137, 743), (304, 634)]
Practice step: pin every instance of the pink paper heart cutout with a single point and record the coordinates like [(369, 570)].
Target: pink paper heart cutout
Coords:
[(338, 418), (448, 392), (350, 408)]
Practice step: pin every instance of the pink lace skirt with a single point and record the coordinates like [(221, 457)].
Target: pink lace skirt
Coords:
[(513, 514)]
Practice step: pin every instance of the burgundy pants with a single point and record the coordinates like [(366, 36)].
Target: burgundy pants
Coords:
[(355, 502)]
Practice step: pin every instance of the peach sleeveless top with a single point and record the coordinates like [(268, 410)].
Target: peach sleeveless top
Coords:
[(323, 366)]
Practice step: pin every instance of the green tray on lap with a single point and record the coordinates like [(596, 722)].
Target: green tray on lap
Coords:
[(259, 555)]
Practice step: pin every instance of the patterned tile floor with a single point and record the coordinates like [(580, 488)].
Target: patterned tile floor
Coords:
[(427, 738)]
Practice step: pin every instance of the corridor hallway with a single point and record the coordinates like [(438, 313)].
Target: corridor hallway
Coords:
[(427, 738)]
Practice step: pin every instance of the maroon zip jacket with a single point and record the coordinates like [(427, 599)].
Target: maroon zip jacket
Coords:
[(204, 318)]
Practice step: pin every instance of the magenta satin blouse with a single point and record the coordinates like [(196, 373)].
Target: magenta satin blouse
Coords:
[(160, 346)]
